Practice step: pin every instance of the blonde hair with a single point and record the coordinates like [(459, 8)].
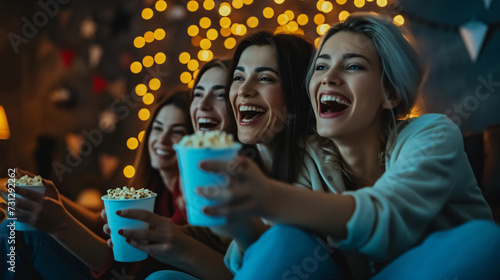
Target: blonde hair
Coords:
[(403, 71)]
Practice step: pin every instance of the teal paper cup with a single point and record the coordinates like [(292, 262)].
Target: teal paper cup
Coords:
[(23, 226), (122, 251), (192, 177)]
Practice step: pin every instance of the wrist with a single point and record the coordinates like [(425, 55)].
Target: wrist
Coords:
[(63, 225), (272, 200)]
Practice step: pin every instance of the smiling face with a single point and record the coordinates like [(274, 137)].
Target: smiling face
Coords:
[(168, 128), (345, 88), (209, 107), (256, 95)]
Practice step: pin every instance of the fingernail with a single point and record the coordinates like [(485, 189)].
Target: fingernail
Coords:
[(119, 212), (120, 231)]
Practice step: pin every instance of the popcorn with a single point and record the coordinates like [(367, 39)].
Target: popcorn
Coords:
[(29, 181), (209, 139), (129, 193)]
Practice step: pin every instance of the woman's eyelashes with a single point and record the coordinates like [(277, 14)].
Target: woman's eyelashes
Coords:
[(355, 67), (180, 132)]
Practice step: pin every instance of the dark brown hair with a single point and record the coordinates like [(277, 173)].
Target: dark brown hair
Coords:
[(145, 174), (293, 55)]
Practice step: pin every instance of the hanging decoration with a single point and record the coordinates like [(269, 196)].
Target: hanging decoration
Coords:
[(88, 28), (473, 34), (95, 55), (67, 57), (487, 4)]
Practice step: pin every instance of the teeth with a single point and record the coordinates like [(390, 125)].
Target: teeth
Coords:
[(251, 109), (207, 120), (162, 152), (338, 99)]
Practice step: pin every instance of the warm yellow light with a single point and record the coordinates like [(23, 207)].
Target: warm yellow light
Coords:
[(195, 73), (382, 3), (321, 29), (161, 6), (205, 44), (237, 4), (343, 15), (225, 22), (226, 31), (144, 114), (195, 41), (141, 89), (154, 84), (191, 84), (399, 20), (192, 6), (359, 3), (319, 5), (242, 30), (293, 26), (290, 15), (140, 136), (159, 34), (148, 61), (149, 36), (248, 2), (139, 42), (224, 9), (341, 2), (4, 125), (302, 19), (193, 30), (160, 58), (129, 171), (132, 143), (252, 22), (212, 34), (135, 67), (184, 57), (327, 7), (268, 12), (279, 1), (316, 42), (193, 65), (205, 22), (319, 19), (230, 43), (185, 77), (208, 5), (205, 55), (148, 99), (147, 13), (282, 19)]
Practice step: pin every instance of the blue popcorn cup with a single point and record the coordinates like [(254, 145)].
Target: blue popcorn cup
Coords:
[(192, 177)]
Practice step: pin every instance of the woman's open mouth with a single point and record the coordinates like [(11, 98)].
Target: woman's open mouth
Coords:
[(333, 105), (249, 114), (207, 124)]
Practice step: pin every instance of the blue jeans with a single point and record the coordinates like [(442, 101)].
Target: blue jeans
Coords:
[(39, 256), (282, 252), (170, 274), (288, 253), (470, 251)]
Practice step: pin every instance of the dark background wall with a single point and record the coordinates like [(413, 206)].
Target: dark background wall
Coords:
[(56, 97)]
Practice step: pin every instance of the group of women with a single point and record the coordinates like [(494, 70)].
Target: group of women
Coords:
[(332, 183)]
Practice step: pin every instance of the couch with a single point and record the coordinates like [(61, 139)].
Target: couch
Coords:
[(483, 151)]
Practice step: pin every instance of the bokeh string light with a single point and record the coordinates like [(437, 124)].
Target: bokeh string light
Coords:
[(219, 25)]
